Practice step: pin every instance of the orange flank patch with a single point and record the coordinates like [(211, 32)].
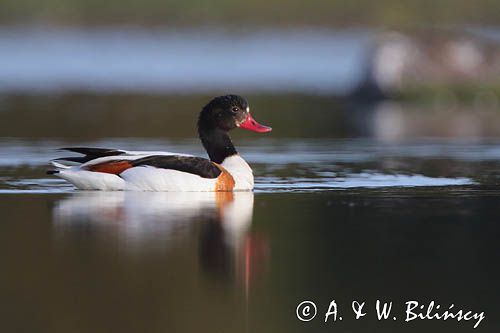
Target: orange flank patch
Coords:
[(225, 182), (114, 167)]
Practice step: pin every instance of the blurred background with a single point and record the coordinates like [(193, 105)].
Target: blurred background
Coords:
[(385, 69)]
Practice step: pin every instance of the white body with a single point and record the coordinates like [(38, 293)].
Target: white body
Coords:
[(148, 178), (241, 172)]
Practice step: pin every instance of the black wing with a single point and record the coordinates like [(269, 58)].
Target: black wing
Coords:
[(90, 154), (195, 165)]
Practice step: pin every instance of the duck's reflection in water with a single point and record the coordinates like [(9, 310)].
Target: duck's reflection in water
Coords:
[(154, 223)]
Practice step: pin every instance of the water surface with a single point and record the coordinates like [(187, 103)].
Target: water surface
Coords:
[(329, 219)]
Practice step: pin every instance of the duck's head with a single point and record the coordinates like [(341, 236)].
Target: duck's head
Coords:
[(228, 112)]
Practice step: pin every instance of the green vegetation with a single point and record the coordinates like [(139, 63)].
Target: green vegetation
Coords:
[(465, 93), (256, 12), (89, 116)]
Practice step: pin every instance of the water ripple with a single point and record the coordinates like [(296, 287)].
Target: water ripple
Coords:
[(360, 180)]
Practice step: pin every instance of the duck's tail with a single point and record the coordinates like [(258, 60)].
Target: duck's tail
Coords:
[(58, 167)]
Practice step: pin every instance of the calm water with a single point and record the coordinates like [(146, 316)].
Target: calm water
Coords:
[(329, 219)]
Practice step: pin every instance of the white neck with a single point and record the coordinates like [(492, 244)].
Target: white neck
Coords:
[(241, 172)]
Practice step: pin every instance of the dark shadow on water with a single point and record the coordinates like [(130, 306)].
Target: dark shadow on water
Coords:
[(190, 262)]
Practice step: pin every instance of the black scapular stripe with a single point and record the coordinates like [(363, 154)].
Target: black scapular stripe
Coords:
[(190, 164), (90, 154)]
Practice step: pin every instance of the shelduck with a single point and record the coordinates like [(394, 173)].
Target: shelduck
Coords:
[(119, 170)]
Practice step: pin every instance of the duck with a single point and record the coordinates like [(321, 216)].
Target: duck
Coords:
[(224, 170)]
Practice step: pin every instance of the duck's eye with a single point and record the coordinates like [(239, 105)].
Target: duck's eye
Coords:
[(234, 110)]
